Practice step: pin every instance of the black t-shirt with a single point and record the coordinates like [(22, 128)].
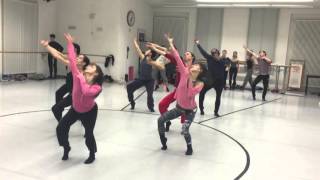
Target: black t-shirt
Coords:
[(56, 46), (145, 70), (249, 63)]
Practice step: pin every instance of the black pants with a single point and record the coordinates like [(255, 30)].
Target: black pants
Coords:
[(218, 85), (265, 79), (61, 92), (225, 77), (58, 108), (88, 121), (136, 84), (233, 77), (52, 66)]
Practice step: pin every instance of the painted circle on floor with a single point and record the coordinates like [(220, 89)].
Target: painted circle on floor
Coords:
[(221, 154)]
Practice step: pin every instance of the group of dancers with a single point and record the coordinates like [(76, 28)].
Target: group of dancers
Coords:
[(84, 84)]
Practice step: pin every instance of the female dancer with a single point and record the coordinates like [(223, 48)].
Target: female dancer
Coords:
[(264, 64), (216, 68), (188, 60), (86, 87), (233, 70), (61, 101), (162, 72), (248, 77), (189, 86), (226, 60), (145, 77)]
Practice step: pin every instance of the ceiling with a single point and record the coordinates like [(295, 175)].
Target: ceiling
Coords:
[(235, 3)]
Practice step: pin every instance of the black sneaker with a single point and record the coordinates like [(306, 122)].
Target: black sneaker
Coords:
[(189, 151), (151, 110), (201, 112), (66, 153), (216, 115), (133, 104), (163, 140), (90, 159)]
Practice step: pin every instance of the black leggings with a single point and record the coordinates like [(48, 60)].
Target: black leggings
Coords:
[(88, 121), (61, 92), (233, 77), (218, 85), (136, 84), (265, 79), (52, 62), (58, 108)]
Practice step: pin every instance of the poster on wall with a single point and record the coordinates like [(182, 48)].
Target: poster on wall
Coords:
[(296, 73)]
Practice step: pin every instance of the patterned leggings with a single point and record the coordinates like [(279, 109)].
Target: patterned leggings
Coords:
[(174, 113)]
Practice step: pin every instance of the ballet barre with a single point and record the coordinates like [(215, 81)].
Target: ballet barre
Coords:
[(35, 52)]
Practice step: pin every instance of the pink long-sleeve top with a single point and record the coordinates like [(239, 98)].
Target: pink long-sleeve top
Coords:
[(83, 94), (185, 93)]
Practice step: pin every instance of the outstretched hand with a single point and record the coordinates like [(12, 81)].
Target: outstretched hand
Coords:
[(196, 41), (170, 39), (44, 43), (69, 38)]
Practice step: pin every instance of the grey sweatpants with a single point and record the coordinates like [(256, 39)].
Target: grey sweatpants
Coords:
[(248, 78), (174, 113)]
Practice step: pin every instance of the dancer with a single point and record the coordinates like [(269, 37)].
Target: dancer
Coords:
[(189, 86), (248, 77), (226, 60), (162, 72), (216, 69), (86, 87), (52, 62), (233, 70), (145, 78), (264, 64), (188, 60), (63, 94)]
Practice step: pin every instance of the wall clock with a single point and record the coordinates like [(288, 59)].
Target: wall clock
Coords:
[(131, 18)]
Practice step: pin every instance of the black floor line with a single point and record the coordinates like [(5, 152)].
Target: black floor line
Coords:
[(244, 109), (246, 168), (199, 123), (134, 99)]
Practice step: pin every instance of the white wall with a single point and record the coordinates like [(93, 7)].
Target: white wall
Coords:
[(111, 17), (192, 15), (235, 30), (144, 21), (1, 1), (284, 31), (47, 24)]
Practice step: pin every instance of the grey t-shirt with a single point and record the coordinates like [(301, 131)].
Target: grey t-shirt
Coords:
[(264, 67)]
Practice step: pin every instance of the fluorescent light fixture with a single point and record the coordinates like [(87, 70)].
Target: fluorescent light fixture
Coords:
[(214, 5), (291, 6), (254, 1), (251, 5)]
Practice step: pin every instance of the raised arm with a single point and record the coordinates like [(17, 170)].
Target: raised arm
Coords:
[(251, 52), (71, 55), (202, 51), (137, 47), (268, 60), (55, 53), (157, 48)]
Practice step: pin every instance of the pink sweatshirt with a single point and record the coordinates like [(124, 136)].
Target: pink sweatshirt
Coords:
[(185, 93), (83, 94)]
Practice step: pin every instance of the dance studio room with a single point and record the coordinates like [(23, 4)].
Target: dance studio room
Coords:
[(159, 89)]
